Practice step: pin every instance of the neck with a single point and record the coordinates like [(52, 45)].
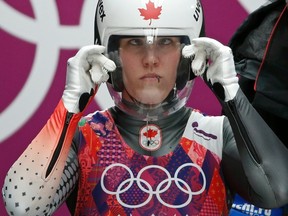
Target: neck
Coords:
[(172, 128)]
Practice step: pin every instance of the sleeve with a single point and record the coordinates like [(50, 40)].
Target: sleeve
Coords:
[(255, 164), (46, 172)]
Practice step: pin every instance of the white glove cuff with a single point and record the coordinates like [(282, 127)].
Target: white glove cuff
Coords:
[(231, 89)]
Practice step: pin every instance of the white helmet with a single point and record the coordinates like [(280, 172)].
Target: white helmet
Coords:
[(171, 17), (116, 18)]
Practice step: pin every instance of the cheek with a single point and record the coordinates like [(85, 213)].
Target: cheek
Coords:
[(129, 75), (128, 72), (129, 63), (172, 68)]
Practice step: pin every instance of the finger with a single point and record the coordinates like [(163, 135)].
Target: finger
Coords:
[(199, 63), (188, 51), (98, 75), (198, 57), (89, 50), (84, 56), (104, 62), (100, 66), (207, 43)]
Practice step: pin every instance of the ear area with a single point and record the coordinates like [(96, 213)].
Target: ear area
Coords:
[(184, 71), (115, 77)]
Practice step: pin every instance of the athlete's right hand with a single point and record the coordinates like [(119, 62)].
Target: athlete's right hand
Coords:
[(85, 71)]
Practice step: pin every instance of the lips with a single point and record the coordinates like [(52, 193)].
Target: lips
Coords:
[(151, 77)]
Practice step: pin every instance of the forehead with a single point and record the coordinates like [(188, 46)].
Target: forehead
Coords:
[(119, 40), (150, 39)]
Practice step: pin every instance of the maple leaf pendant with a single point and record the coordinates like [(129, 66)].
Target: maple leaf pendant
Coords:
[(150, 137)]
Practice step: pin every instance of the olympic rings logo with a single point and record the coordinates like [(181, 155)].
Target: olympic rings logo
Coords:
[(150, 142), (127, 184)]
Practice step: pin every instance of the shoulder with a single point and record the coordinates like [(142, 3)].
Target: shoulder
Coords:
[(97, 116), (197, 114)]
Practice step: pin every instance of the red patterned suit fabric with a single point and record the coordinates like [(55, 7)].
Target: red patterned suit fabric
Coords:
[(116, 180)]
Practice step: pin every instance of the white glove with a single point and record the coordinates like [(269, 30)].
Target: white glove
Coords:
[(207, 53), (85, 71)]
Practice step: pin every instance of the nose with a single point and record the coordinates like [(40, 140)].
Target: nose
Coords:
[(151, 57)]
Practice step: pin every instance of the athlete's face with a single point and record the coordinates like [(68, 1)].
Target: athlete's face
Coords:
[(149, 67)]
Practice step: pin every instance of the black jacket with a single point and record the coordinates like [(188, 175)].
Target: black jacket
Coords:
[(260, 48)]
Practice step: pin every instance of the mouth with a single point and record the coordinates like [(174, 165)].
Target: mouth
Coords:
[(151, 77)]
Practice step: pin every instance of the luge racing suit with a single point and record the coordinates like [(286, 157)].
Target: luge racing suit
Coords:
[(104, 172)]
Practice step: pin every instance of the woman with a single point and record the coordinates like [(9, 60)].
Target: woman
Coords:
[(149, 154)]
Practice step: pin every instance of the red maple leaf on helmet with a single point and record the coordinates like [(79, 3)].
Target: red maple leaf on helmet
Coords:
[(150, 133), (151, 12)]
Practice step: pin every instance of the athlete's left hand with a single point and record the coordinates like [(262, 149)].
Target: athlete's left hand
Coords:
[(212, 59)]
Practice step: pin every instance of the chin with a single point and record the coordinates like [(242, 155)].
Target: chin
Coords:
[(151, 99)]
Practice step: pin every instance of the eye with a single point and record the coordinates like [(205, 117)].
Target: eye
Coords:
[(136, 42), (164, 41)]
